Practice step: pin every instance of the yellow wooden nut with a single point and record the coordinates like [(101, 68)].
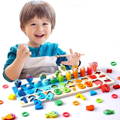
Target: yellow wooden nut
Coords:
[(76, 102)]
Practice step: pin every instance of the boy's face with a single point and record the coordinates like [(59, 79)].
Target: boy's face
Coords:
[(37, 30)]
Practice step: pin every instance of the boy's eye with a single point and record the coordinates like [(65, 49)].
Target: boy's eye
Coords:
[(45, 23), (33, 24)]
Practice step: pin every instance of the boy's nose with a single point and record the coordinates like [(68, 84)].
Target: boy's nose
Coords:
[(40, 28)]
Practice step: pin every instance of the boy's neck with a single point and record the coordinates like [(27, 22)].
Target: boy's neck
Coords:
[(34, 46)]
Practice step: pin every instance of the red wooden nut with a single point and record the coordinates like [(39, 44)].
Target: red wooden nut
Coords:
[(114, 96), (66, 114), (117, 86), (5, 86), (109, 70)]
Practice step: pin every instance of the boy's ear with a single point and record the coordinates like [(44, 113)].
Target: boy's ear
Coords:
[(22, 28)]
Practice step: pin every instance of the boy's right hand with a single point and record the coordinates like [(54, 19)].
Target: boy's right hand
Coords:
[(23, 52)]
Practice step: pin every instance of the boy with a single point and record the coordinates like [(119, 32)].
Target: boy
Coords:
[(37, 20)]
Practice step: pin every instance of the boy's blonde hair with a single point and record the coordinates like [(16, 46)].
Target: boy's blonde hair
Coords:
[(37, 8)]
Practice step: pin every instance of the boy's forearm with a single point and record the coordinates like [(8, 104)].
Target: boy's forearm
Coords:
[(13, 71)]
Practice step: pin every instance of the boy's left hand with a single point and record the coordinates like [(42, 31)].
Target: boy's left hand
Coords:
[(73, 59)]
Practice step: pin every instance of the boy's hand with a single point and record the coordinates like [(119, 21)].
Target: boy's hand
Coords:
[(23, 52), (73, 59)]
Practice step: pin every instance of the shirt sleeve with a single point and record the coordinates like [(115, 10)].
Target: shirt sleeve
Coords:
[(10, 58)]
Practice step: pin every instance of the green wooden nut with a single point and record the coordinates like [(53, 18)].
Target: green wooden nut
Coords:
[(57, 91), (113, 63), (108, 112), (25, 114), (98, 100), (66, 90), (58, 102)]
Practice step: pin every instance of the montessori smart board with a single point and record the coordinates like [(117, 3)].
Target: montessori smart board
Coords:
[(52, 87)]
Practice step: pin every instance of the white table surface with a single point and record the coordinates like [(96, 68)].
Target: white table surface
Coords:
[(77, 112)]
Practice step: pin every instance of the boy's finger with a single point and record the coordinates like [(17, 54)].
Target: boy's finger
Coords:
[(66, 63), (71, 51), (21, 46)]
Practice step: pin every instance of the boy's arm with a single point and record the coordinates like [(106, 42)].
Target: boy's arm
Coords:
[(13, 71)]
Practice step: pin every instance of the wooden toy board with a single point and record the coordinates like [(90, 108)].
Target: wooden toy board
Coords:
[(73, 86)]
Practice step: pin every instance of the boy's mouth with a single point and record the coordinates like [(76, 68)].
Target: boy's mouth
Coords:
[(39, 36)]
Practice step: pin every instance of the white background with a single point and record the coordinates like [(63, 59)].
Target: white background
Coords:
[(91, 27)]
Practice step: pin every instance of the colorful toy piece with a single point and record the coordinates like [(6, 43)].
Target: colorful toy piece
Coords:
[(76, 102), (108, 112), (9, 117), (79, 95), (66, 114), (38, 104), (113, 63), (1, 102), (117, 86), (25, 114), (82, 71), (56, 86), (75, 73), (90, 107), (109, 70), (52, 114), (5, 86), (115, 96), (93, 92), (98, 100), (60, 77), (118, 78), (58, 102), (105, 88), (89, 70), (12, 97), (68, 75)]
